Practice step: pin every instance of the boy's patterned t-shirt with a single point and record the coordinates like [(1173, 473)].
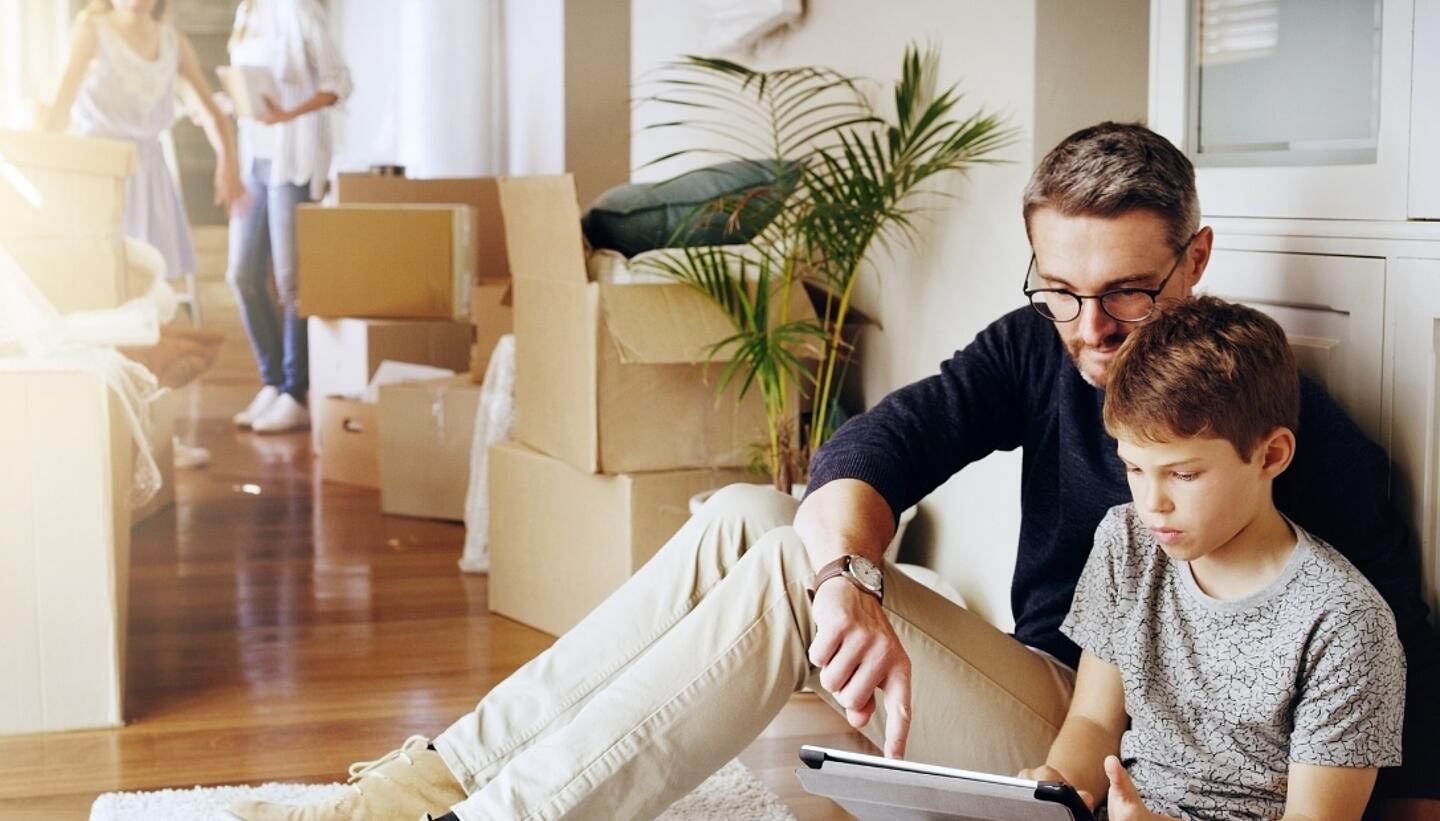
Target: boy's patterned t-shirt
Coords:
[(1224, 695)]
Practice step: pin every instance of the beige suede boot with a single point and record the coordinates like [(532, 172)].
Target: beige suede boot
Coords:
[(403, 786)]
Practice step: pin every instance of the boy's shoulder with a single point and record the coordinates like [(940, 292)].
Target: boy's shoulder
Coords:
[(1332, 587), (1120, 532), (1123, 542)]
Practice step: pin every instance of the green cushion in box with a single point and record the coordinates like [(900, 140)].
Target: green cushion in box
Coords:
[(639, 217)]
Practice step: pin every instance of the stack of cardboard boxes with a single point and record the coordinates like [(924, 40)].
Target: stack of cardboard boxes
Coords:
[(64, 493), (618, 422), (408, 271)]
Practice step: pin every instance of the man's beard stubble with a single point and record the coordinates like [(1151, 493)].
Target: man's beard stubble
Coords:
[(1075, 347)]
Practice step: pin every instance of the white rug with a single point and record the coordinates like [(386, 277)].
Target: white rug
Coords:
[(732, 794)]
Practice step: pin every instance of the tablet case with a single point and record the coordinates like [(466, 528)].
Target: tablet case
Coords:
[(878, 793)]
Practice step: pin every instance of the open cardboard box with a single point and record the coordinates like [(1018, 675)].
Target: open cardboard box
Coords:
[(487, 229), (385, 261), (612, 377), (62, 201), (562, 540), (64, 569)]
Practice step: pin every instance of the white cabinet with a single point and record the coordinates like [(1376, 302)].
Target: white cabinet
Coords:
[(1314, 126), (1412, 403), (1301, 108), (1332, 310)]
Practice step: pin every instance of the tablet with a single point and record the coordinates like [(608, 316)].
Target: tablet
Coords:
[(872, 788)]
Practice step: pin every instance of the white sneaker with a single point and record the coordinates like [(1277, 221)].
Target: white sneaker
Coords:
[(284, 414), (257, 406)]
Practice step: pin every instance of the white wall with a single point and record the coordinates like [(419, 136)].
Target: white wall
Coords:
[(535, 85), (434, 80), (1049, 77), (484, 87)]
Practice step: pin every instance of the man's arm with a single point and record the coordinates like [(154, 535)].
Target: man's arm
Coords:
[(1091, 731), (855, 647), (878, 464), (920, 435)]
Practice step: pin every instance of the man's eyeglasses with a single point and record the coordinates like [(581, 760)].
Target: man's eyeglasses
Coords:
[(1120, 304)]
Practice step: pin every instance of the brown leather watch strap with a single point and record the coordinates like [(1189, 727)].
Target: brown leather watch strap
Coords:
[(839, 567)]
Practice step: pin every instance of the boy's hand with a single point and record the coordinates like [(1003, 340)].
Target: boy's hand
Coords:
[(1124, 802), (1045, 772), (858, 652)]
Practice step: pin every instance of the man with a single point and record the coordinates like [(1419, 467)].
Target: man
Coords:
[(683, 667)]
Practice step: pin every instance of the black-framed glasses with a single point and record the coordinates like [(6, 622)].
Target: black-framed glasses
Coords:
[(1120, 304)]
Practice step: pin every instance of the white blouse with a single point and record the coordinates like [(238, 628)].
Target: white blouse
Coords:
[(290, 38)]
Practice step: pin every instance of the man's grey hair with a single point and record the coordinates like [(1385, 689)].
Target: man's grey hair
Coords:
[(1112, 169)]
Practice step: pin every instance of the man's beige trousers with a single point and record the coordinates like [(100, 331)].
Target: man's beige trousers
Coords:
[(684, 666)]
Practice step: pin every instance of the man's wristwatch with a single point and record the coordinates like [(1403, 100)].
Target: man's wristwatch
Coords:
[(857, 570)]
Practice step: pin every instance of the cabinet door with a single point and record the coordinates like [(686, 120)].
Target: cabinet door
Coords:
[(1331, 309), (1412, 407), (1289, 108)]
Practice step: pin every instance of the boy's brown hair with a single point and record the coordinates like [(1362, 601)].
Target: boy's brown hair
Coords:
[(1204, 367)]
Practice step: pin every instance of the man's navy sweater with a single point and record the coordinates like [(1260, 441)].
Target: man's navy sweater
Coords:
[(1016, 387)]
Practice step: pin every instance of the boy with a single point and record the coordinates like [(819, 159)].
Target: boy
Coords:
[(1239, 667)]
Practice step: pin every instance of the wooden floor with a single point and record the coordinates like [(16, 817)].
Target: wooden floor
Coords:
[(281, 628)]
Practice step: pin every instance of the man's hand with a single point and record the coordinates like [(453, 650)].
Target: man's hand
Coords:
[(1045, 772), (1124, 801), (857, 653)]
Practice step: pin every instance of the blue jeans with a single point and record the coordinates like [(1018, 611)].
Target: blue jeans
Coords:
[(263, 235)]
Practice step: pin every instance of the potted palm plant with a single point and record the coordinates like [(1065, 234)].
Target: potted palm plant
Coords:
[(844, 180)]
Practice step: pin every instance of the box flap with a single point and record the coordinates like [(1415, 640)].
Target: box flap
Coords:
[(84, 155), (542, 228), (673, 323)]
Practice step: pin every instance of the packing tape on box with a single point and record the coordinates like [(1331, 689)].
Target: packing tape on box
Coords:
[(36, 337)]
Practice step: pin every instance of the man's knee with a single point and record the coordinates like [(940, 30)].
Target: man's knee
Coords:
[(782, 550), (760, 506)]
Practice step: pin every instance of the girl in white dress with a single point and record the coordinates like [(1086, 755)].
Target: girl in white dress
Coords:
[(285, 151), (119, 82)]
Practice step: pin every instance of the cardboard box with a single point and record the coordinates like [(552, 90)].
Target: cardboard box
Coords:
[(64, 569), (62, 200), (487, 227), (426, 434), (385, 261), (163, 410), (609, 376), (561, 540), (344, 353), (348, 440), (492, 311)]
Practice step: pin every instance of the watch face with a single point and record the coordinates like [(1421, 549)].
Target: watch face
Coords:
[(865, 572)]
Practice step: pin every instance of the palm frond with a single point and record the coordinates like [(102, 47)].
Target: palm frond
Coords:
[(855, 176)]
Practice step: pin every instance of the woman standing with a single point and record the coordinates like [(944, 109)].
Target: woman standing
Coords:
[(119, 82), (285, 155)]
